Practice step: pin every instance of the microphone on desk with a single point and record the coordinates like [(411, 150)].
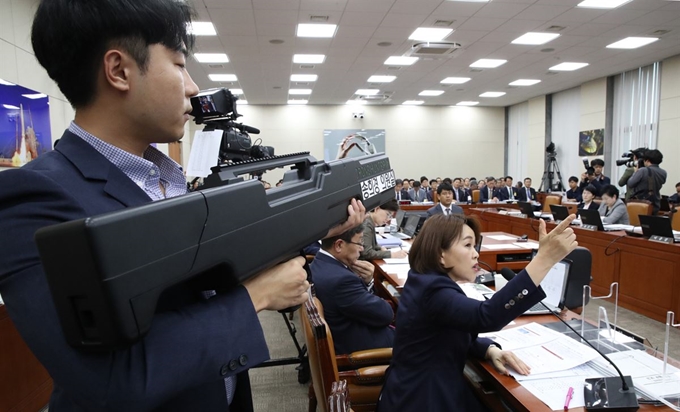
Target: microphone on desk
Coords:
[(600, 394)]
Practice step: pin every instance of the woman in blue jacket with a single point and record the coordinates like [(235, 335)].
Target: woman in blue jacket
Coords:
[(437, 325)]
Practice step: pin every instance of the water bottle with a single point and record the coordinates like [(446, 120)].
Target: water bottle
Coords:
[(469, 200)]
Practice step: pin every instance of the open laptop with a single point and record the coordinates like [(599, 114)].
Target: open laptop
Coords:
[(664, 204), (554, 285), (400, 218), (659, 226), (592, 217), (559, 212), (527, 209)]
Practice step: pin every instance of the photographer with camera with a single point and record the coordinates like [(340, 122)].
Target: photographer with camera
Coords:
[(646, 182), (632, 158)]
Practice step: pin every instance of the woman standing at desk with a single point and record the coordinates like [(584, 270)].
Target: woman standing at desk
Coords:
[(437, 325), (589, 193)]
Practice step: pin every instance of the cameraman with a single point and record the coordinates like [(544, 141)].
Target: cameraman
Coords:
[(646, 182), (636, 159)]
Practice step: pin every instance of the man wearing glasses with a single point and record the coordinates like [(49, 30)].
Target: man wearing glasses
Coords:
[(358, 319)]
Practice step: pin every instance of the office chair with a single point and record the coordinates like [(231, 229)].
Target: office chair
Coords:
[(364, 370), (339, 400), (636, 208), (551, 200), (475, 196), (675, 219)]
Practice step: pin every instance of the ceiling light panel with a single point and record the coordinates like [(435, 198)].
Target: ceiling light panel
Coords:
[(316, 30), (492, 94), (297, 102), (413, 102), (488, 63), (222, 77), (201, 28), (211, 57), (532, 38), (430, 34), (567, 67), (431, 93), (303, 77), (381, 79), (299, 91), (400, 61), (34, 96), (236, 92), (367, 92), (525, 82), (455, 80), (632, 42), (309, 58), (602, 4), (467, 103)]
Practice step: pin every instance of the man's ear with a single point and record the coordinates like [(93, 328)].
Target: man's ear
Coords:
[(337, 245), (117, 66)]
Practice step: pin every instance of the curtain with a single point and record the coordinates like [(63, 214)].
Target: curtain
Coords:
[(566, 124), (518, 135)]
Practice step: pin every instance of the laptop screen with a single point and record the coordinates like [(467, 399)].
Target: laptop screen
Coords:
[(411, 225), (554, 282), (400, 217)]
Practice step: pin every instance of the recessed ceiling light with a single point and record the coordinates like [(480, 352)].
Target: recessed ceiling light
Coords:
[(488, 63), (381, 79), (236, 92), (567, 67), (242, 102), (10, 107), (211, 57), (316, 30), (431, 93), (400, 61), (524, 82), (455, 80), (602, 4), (429, 34), (303, 77), (356, 102), (535, 38), (632, 42), (222, 77), (300, 91), (297, 102), (413, 102), (309, 58), (6, 83), (492, 94), (34, 96), (201, 28), (467, 103), (367, 92)]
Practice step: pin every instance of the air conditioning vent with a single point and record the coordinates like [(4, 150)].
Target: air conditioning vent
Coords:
[(393, 68), (307, 66), (476, 70), (434, 49), (216, 66), (375, 98), (318, 19), (443, 23)]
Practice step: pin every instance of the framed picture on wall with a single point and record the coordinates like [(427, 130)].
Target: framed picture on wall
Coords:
[(24, 125), (591, 143), (341, 143)]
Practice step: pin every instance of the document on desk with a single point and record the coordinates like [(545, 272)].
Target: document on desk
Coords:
[(556, 355), (532, 334), (396, 261), (526, 245), (552, 392), (500, 247), (501, 237), (399, 269)]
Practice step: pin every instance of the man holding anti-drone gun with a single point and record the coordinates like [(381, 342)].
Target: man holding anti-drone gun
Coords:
[(122, 67)]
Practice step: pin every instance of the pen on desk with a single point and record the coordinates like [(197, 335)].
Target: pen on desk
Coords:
[(570, 394)]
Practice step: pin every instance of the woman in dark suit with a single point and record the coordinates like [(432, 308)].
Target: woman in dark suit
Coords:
[(437, 325), (589, 193)]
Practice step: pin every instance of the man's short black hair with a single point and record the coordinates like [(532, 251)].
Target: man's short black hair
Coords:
[(70, 37), (433, 181), (457, 178), (508, 177), (527, 178), (423, 178), (597, 162), (327, 243), (677, 184), (447, 180), (573, 179), (610, 190), (416, 184), (490, 178), (398, 182), (654, 156), (444, 186)]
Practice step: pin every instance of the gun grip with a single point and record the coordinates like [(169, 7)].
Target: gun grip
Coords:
[(309, 279)]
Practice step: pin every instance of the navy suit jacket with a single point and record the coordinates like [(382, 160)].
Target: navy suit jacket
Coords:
[(404, 195), (437, 327), (484, 194), (358, 319), (506, 196), (437, 210), (575, 194), (193, 343), (523, 194)]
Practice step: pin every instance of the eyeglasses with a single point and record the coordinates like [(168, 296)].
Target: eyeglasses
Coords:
[(357, 243)]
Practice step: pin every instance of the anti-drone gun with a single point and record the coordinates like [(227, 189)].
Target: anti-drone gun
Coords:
[(106, 273)]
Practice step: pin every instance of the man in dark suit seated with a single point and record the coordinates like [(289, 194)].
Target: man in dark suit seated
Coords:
[(433, 189), (416, 193), (459, 194), (509, 192), (527, 193), (399, 192), (445, 205), (357, 318), (489, 193), (574, 192)]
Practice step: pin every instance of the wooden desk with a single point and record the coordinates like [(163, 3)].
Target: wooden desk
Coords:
[(24, 384), (465, 206), (648, 272)]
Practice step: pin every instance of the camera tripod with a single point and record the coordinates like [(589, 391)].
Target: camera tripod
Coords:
[(547, 184)]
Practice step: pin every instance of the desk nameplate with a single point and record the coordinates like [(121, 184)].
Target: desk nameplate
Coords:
[(661, 239), (589, 227)]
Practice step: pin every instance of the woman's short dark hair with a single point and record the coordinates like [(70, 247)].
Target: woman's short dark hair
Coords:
[(610, 190), (592, 189), (347, 236), (392, 205), (70, 37), (438, 234)]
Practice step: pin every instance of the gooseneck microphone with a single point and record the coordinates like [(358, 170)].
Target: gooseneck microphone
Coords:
[(600, 394)]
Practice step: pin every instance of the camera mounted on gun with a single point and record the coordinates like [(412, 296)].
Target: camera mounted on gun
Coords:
[(216, 108), (629, 158)]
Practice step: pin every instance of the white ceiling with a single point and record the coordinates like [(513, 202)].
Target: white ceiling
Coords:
[(485, 30)]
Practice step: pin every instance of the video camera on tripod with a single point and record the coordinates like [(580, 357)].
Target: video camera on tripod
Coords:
[(216, 108)]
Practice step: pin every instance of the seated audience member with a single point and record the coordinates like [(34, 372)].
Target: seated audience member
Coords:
[(399, 192), (448, 180), (433, 190), (612, 209), (378, 217), (466, 184), (473, 186), (445, 205), (357, 318), (459, 195), (675, 199), (598, 166), (574, 192), (424, 183), (481, 184), (489, 193), (587, 196), (416, 193), (508, 191), (527, 193), (437, 326), (519, 185), (407, 184)]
